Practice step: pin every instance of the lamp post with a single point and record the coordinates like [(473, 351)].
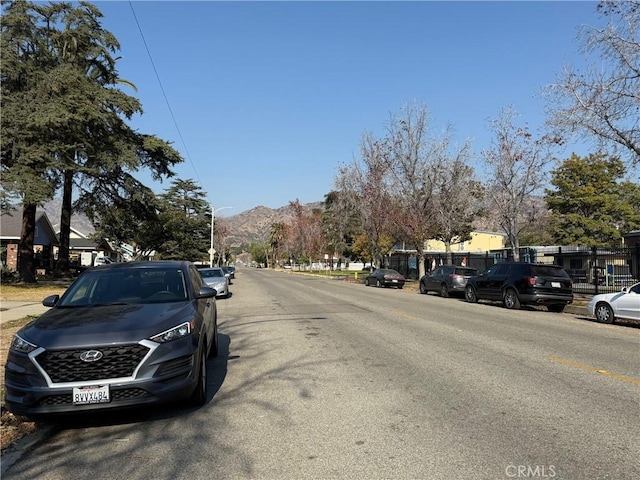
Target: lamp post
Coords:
[(213, 218)]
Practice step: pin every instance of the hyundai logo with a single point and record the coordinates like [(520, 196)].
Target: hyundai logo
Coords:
[(91, 356)]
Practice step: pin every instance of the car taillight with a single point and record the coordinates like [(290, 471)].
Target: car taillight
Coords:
[(531, 281)]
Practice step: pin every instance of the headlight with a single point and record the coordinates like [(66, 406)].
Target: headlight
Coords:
[(22, 346), (173, 334)]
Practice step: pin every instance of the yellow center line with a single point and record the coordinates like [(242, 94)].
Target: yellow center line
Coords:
[(402, 314), (588, 368)]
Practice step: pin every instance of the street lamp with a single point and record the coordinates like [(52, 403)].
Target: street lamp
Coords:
[(213, 217)]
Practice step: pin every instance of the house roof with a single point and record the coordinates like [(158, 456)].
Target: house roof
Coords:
[(11, 225)]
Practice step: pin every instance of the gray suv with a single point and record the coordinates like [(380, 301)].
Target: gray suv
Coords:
[(518, 283), (447, 279)]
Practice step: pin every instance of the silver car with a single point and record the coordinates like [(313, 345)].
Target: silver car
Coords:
[(216, 279)]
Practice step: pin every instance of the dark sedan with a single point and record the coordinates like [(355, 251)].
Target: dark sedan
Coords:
[(385, 277), (122, 335)]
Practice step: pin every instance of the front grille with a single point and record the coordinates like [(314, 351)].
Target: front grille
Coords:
[(116, 362), (117, 395)]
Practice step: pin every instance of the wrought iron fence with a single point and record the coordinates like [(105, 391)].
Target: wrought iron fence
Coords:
[(592, 269)]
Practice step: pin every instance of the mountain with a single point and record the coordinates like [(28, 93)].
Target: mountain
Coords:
[(249, 226), (255, 225), (79, 221)]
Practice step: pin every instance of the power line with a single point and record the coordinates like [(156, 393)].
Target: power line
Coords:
[(166, 99)]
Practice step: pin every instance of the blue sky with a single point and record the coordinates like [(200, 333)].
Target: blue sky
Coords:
[(266, 100)]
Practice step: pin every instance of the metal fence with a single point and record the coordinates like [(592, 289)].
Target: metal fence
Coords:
[(592, 269)]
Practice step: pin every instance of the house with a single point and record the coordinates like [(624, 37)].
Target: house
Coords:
[(472, 252), (45, 243)]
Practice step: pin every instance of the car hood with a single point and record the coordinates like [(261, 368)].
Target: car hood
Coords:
[(105, 324)]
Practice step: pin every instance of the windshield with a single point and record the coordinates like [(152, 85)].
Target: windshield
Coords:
[(211, 273), (139, 285)]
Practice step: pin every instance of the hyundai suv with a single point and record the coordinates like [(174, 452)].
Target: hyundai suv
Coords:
[(518, 283)]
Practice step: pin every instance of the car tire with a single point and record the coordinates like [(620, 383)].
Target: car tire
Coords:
[(423, 288), (556, 307), (199, 395), (378, 284), (604, 313), (510, 299), (470, 294), (400, 287), (366, 282), (444, 290)]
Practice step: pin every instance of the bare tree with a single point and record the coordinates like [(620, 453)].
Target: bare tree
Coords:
[(419, 162), (517, 169), (365, 183), (603, 102), (457, 203)]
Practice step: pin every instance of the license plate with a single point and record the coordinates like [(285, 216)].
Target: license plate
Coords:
[(91, 394), (555, 284)]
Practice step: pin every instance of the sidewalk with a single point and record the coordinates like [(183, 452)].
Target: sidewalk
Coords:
[(14, 310)]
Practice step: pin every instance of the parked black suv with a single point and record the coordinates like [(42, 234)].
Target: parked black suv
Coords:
[(518, 283)]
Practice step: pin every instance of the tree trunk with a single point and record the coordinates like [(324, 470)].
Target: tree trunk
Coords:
[(421, 269), (62, 266), (26, 258), (447, 252)]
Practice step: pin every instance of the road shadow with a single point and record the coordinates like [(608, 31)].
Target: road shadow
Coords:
[(620, 323)]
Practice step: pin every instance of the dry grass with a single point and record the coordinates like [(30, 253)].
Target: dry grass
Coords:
[(13, 428), (29, 293)]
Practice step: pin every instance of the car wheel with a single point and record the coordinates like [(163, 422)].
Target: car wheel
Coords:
[(423, 288), (556, 307), (366, 282), (199, 395), (470, 294), (378, 284), (604, 313), (400, 287), (444, 290), (510, 299)]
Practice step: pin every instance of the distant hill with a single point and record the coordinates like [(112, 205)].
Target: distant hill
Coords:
[(79, 221), (255, 225), (249, 226)]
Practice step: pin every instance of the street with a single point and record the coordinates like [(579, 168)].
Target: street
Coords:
[(323, 379)]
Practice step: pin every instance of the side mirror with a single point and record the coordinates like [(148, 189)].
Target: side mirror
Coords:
[(51, 300), (207, 292)]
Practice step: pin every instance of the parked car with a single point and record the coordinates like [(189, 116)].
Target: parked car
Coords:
[(607, 307), (519, 283), (122, 335), (230, 272), (447, 279), (216, 278), (385, 277), (98, 261)]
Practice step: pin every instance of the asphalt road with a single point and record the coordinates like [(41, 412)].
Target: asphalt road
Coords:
[(321, 379)]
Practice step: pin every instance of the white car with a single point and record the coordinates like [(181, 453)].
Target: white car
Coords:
[(102, 261), (608, 307)]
